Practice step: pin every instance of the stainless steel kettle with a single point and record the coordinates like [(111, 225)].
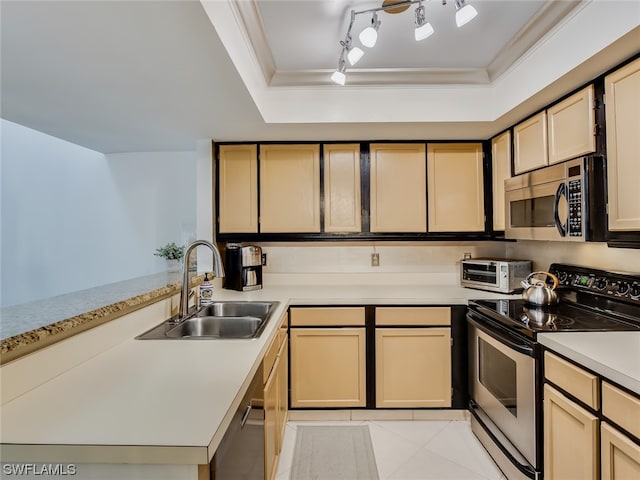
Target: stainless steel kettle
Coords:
[(539, 293)]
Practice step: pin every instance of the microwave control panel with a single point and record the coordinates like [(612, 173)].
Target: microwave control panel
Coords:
[(575, 208)]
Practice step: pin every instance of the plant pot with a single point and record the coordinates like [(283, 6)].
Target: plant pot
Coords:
[(173, 266)]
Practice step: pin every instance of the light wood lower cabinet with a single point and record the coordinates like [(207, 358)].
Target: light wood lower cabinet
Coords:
[(413, 367), (275, 365), (570, 439), (328, 367), (620, 455)]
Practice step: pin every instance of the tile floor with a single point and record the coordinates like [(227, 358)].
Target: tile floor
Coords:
[(413, 450)]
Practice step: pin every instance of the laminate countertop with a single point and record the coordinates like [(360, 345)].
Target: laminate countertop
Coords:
[(170, 401), (612, 355)]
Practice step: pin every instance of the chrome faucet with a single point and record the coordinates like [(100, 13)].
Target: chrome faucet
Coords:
[(218, 270)]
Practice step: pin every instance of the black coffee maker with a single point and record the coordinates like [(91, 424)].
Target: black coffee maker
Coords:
[(243, 267)]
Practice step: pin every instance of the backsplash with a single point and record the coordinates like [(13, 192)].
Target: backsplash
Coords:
[(427, 262), (594, 255), (422, 263)]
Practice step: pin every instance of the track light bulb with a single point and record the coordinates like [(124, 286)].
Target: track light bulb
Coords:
[(369, 36), (423, 28), (338, 77), (354, 55), (423, 31), (464, 13)]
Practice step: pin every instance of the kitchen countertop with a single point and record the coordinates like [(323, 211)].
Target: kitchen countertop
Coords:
[(170, 401), (613, 355)]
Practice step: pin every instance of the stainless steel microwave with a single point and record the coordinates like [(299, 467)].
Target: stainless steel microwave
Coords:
[(563, 202), (494, 274)]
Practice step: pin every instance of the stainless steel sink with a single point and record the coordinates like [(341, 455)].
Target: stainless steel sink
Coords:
[(220, 320)]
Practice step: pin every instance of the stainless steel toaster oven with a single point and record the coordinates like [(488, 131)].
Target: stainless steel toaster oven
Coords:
[(494, 274)]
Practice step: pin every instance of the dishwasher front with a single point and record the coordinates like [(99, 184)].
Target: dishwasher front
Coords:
[(240, 455)]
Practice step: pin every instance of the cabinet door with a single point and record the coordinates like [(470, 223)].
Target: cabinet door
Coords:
[(270, 424), (570, 439), (501, 162), (620, 456), (289, 188), (572, 126), (413, 367), (398, 188), (238, 188), (456, 189), (328, 367), (283, 393), (342, 188), (530, 144), (622, 111)]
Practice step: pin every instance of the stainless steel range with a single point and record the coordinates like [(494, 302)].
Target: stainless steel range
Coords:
[(505, 358)]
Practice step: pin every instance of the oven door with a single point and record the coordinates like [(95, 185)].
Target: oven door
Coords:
[(538, 212), (502, 384)]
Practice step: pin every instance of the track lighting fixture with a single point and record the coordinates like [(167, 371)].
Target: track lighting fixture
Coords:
[(369, 36)]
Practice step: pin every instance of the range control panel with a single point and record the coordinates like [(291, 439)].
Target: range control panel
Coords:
[(623, 286)]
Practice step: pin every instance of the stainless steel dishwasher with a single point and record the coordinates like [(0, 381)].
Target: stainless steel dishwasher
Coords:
[(240, 455)]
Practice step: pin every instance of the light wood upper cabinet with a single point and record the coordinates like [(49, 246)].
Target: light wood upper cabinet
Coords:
[(398, 188), (501, 162), (530, 144), (570, 439), (456, 189), (572, 126), (238, 188), (622, 112), (342, 188), (290, 188)]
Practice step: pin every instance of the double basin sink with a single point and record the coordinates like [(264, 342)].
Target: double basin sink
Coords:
[(219, 320)]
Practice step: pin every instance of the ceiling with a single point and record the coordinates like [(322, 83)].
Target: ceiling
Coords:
[(132, 76)]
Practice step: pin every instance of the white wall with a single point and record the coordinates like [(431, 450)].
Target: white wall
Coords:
[(73, 218)]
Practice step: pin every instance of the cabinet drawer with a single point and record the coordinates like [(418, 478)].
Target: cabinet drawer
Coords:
[(622, 408), (572, 379), (413, 316), (327, 317)]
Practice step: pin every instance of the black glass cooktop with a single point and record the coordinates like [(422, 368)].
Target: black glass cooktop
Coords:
[(529, 320)]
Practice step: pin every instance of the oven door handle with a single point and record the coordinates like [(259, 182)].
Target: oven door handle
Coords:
[(508, 340), (562, 191)]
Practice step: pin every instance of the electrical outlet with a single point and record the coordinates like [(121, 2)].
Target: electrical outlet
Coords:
[(375, 259), (264, 259)]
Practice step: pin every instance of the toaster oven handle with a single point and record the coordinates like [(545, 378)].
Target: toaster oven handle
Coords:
[(560, 192)]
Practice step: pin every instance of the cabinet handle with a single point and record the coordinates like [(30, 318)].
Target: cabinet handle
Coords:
[(245, 416)]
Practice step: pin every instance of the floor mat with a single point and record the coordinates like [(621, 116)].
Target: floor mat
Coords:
[(333, 453)]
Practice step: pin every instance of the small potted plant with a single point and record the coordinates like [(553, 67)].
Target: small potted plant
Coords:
[(173, 254)]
